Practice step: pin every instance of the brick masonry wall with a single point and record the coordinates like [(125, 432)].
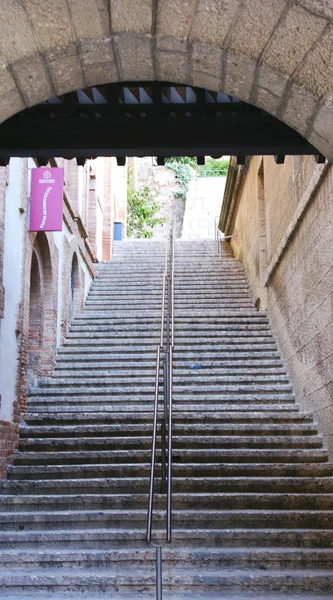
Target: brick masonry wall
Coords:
[(8, 443), (299, 274)]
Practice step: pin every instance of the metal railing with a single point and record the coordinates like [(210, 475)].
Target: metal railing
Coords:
[(219, 238), (166, 417)]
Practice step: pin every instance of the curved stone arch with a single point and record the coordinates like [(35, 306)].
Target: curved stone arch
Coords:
[(35, 328), (275, 54), (70, 305), (48, 346), (76, 287)]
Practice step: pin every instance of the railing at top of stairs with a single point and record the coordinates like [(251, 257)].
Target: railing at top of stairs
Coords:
[(219, 237)]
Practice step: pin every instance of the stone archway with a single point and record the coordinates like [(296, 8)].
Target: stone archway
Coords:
[(275, 54), (35, 332)]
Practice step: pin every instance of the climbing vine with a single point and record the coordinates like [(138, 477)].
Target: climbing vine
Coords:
[(142, 210), (186, 169)]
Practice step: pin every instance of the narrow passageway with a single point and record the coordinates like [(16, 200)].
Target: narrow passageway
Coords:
[(252, 486)]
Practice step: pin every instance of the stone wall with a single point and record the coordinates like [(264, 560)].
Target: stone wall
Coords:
[(203, 203), (283, 219)]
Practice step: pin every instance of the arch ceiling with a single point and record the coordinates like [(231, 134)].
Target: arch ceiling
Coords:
[(274, 54)]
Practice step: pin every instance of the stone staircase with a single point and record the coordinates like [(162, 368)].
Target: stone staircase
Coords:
[(252, 487)]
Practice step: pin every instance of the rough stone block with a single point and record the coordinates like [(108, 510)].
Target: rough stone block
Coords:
[(67, 74), (239, 72), (254, 26), (33, 80), (86, 19), (270, 89), (316, 71), (132, 15), (135, 56), (7, 83), (104, 12), (323, 8), (17, 38), (173, 66), (293, 38), (207, 59), (209, 82), (96, 51), (213, 21), (322, 134), (60, 52), (10, 104), (171, 44), (100, 74), (51, 21), (174, 18), (299, 108)]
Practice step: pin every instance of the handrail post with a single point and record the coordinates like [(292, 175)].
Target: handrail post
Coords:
[(158, 573)]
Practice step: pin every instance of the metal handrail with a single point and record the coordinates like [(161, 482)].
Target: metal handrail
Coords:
[(168, 277), (170, 374), (157, 381), (153, 449)]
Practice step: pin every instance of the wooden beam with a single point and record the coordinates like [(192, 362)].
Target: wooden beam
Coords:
[(279, 159), (200, 160), (320, 158), (150, 136)]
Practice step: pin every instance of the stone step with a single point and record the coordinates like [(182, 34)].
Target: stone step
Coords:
[(181, 455), (200, 428), (131, 583), (135, 537), (194, 377), (92, 371), (103, 461), (82, 479), (181, 336), (211, 442), (116, 408), (189, 518), (187, 557), (216, 417), (190, 328)]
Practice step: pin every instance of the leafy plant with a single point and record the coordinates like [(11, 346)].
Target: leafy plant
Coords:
[(184, 169), (214, 168), (141, 211)]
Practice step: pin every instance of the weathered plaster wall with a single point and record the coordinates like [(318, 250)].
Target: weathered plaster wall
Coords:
[(12, 287), (298, 200)]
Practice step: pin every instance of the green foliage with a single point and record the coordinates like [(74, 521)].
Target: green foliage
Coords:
[(214, 168), (184, 169), (141, 211)]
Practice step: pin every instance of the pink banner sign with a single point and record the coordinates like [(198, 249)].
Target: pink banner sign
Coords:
[(46, 199)]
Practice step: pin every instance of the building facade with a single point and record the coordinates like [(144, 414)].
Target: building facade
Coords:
[(45, 276)]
